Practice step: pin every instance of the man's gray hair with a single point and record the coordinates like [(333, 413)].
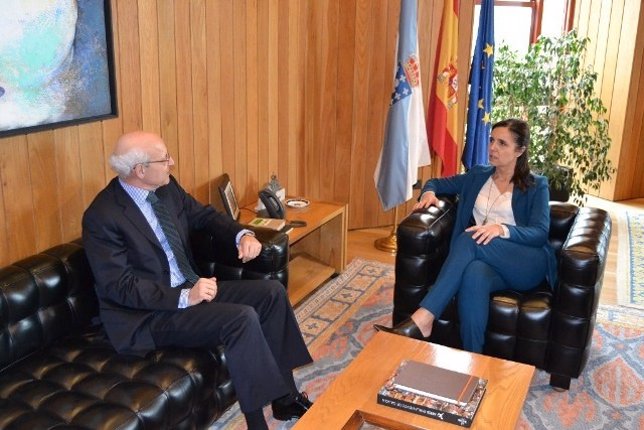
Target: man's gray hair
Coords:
[(123, 164)]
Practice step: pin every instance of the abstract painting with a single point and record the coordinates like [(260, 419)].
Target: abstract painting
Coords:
[(56, 64)]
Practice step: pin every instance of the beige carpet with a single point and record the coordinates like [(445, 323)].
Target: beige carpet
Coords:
[(630, 258), (618, 275)]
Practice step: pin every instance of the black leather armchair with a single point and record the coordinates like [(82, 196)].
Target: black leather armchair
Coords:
[(58, 369), (550, 329)]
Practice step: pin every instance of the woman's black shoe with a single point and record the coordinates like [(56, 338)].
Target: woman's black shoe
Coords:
[(406, 328)]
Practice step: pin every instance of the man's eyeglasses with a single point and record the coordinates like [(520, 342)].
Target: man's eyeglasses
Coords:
[(164, 160)]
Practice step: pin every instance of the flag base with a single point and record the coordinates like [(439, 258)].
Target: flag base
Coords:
[(387, 244)]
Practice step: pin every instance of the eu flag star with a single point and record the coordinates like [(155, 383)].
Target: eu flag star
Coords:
[(489, 50)]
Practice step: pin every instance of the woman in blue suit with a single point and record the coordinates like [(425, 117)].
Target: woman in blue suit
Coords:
[(500, 237)]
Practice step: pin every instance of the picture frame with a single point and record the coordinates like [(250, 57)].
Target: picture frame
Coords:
[(228, 198), (71, 80)]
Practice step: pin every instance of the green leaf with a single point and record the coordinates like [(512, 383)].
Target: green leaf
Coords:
[(555, 91)]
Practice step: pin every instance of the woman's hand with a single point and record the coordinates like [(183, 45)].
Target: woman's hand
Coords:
[(483, 234), (427, 199)]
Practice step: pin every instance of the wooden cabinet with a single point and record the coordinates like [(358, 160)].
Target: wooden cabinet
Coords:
[(318, 250)]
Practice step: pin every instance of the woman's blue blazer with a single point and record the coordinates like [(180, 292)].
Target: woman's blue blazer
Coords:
[(530, 208)]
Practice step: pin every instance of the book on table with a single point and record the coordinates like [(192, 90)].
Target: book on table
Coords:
[(270, 223), (435, 392), (436, 382)]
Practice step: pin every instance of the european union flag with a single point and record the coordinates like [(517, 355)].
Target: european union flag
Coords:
[(480, 102)]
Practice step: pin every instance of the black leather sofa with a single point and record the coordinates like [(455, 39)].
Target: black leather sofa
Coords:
[(551, 330), (59, 371)]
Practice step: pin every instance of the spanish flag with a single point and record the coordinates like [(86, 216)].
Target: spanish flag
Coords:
[(442, 115)]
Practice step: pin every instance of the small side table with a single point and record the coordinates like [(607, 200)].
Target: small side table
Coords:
[(318, 250)]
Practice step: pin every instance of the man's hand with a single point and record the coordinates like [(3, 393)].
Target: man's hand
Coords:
[(249, 247), (204, 289)]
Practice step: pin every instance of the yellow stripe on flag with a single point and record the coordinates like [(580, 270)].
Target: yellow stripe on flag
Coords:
[(442, 118)]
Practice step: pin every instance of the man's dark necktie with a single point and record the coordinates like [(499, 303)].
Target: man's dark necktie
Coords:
[(171, 233)]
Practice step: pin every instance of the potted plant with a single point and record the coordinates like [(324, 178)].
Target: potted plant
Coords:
[(550, 88)]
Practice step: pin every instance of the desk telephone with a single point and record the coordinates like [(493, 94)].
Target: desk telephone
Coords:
[(274, 206)]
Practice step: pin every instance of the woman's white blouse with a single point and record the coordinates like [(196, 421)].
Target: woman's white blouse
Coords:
[(494, 206)]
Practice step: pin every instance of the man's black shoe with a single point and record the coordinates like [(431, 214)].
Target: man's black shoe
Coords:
[(406, 328), (298, 406)]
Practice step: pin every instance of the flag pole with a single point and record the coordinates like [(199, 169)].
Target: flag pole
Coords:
[(405, 146), (389, 243)]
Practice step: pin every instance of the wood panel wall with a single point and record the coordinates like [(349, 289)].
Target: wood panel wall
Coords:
[(298, 88), (248, 87), (616, 52), (348, 89)]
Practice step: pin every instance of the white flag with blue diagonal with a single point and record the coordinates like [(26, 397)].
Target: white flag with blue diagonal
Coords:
[(405, 146)]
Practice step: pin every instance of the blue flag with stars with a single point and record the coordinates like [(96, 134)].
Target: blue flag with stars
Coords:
[(480, 102)]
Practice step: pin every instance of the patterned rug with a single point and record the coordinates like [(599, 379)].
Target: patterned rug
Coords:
[(337, 321), (630, 259), (609, 394)]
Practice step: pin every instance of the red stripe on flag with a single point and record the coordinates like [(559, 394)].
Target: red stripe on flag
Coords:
[(455, 8), (442, 141)]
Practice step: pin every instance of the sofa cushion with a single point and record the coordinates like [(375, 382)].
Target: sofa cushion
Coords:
[(42, 298), (81, 381)]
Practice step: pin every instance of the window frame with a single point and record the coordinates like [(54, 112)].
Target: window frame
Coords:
[(537, 14)]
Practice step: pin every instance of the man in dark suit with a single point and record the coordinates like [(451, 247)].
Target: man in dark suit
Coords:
[(136, 235)]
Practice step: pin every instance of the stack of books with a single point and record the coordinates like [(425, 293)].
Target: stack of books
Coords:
[(434, 392)]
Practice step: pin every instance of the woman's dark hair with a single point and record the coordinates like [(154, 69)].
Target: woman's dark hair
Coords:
[(521, 132)]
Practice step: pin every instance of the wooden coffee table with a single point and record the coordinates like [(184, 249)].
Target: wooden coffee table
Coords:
[(350, 400)]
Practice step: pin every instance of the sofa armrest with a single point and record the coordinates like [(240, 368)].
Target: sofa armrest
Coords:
[(580, 276), (562, 217), (220, 260), (423, 239)]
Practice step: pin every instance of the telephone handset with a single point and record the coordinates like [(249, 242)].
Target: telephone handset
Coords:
[(274, 206)]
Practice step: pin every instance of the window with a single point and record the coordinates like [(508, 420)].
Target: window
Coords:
[(519, 23), (554, 17)]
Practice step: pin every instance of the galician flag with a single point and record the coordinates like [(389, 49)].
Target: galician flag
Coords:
[(480, 103), (405, 147), (442, 118)]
